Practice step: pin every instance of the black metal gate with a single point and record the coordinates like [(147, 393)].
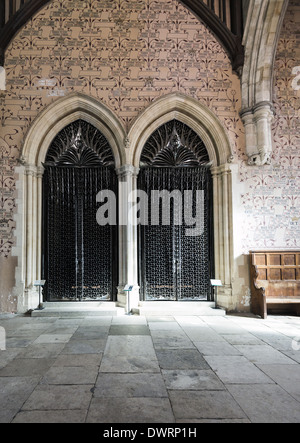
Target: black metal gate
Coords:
[(79, 255), (176, 255)]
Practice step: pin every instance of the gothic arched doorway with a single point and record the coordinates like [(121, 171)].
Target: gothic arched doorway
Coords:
[(79, 255), (176, 240)]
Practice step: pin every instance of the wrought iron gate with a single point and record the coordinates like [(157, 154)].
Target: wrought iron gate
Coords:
[(174, 264), (79, 256)]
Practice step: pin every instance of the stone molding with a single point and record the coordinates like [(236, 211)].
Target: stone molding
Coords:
[(189, 111), (66, 110), (263, 26), (258, 131)]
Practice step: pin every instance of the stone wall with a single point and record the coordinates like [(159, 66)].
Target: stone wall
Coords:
[(124, 53), (270, 197), (267, 199), (127, 55)]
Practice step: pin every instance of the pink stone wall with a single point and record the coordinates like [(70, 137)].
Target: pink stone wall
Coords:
[(124, 53), (270, 196)]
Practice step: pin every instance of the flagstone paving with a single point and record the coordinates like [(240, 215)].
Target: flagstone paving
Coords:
[(131, 369)]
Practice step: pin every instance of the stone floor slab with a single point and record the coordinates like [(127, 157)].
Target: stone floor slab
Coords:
[(164, 326), (129, 364), (90, 346), (129, 354), (192, 380), (205, 405), (91, 333), (50, 350), (171, 339), (18, 342), (50, 417), (94, 375), (52, 397), (217, 348), (130, 385), (130, 410), (266, 403), (129, 330), (53, 338), (202, 333), (264, 355), (242, 339), (67, 375), (288, 377), (14, 391), (180, 359), (129, 320), (78, 360), (8, 355), (236, 369), (7, 415), (26, 367)]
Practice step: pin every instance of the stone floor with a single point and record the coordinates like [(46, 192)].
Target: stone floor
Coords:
[(130, 369)]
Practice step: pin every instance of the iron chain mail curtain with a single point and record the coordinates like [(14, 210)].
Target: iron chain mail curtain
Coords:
[(173, 265), (79, 255)]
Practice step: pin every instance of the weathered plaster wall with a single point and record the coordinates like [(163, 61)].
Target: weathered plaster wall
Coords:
[(124, 53), (127, 54), (267, 199)]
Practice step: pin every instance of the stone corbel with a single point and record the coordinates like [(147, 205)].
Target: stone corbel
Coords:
[(258, 128)]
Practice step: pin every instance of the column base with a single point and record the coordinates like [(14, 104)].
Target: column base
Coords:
[(28, 300)]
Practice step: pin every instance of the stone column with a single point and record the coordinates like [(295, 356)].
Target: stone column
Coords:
[(258, 128), (32, 256), (263, 118), (40, 173), (128, 239), (223, 232)]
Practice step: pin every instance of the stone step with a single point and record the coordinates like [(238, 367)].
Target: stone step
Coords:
[(178, 309), (78, 309)]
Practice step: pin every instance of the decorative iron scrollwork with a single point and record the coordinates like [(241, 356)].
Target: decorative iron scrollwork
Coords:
[(79, 256), (174, 266), (80, 144), (174, 145)]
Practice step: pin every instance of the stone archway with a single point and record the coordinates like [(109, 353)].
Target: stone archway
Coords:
[(37, 141), (205, 123)]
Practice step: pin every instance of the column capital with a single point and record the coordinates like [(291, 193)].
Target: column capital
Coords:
[(127, 171), (40, 171), (31, 170), (247, 114), (258, 130), (224, 169)]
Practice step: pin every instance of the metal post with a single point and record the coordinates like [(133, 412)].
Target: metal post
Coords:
[(216, 284), (128, 289), (39, 284)]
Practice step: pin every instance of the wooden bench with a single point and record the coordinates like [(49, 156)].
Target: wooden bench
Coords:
[(275, 282)]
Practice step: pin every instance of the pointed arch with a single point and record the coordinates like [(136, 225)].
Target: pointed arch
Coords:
[(65, 111), (188, 111), (38, 139), (210, 130)]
